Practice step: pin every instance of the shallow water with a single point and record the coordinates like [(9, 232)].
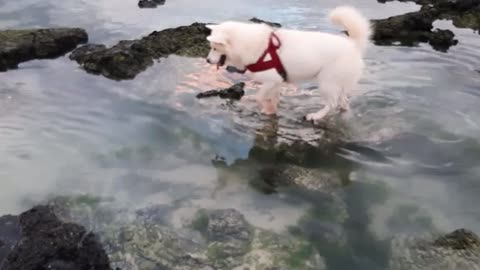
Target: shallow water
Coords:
[(150, 141)]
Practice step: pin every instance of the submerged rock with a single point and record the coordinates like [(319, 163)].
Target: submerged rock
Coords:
[(17, 46), (220, 239), (281, 252), (216, 239), (233, 243), (275, 162), (312, 179), (48, 243), (458, 250)]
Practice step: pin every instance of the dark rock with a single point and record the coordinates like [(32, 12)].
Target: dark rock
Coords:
[(442, 40), (228, 232), (470, 18), (150, 3), (459, 239), (130, 57), (412, 28), (9, 235), (48, 243), (228, 224), (272, 24), (17, 46), (82, 53), (306, 178), (233, 92)]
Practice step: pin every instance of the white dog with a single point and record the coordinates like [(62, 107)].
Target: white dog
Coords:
[(274, 56)]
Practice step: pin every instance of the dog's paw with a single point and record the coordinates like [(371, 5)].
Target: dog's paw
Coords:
[(344, 105), (344, 109), (269, 109), (317, 116), (311, 117)]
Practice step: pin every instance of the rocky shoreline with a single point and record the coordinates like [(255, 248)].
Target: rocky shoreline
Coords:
[(39, 240), (49, 237), (18, 46)]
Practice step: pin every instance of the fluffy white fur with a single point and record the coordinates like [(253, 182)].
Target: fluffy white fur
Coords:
[(336, 61)]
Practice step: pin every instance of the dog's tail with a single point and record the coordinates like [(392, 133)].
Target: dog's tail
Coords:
[(358, 26)]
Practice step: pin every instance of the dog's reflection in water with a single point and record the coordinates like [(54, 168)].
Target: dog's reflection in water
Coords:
[(206, 77)]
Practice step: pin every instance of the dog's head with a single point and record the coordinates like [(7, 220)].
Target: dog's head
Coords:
[(237, 44), (219, 46)]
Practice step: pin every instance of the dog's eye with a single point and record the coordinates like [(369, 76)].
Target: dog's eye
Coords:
[(214, 49)]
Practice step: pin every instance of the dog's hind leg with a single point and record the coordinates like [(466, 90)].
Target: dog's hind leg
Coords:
[(344, 103), (330, 92)]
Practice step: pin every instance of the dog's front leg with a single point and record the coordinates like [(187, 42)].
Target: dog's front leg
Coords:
[(268, 98)]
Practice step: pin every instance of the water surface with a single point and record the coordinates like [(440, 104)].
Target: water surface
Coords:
[(150, 141)]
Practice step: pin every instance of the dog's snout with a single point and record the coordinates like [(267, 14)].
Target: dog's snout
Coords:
[(208, 61)]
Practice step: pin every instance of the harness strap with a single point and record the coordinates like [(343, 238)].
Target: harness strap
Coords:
[(274, 62)]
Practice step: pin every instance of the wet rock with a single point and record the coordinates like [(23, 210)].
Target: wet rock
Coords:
[(130, 57), (229, 234), (412, 28), (236, 244), (150, 3), (220, 239), (272, 24), (224, 225), (312, 179), (48, 243), (17, 46), (275, 162), (459, 239), (281, 252), (9, 235), (458, 250), (140, 245), (155, 214), (89, 211), (235, 92), (463, 13)]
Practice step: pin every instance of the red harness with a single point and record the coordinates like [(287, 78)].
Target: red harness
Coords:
[(262, 65)]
